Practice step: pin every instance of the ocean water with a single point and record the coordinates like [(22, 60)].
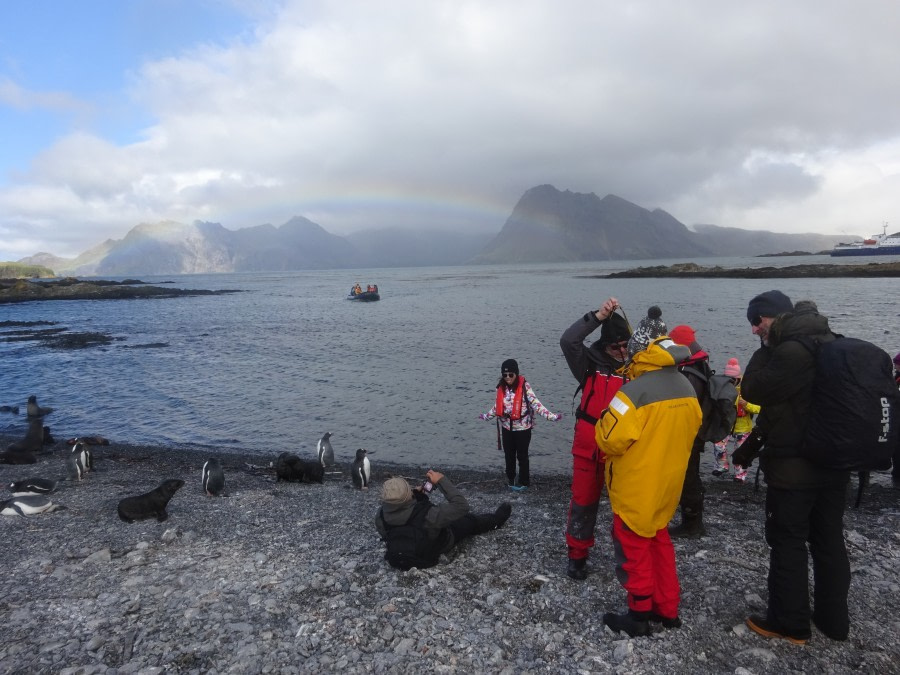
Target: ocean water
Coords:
[(271, 368)]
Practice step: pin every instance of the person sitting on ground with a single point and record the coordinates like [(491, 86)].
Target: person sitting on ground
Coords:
[(417, 532)]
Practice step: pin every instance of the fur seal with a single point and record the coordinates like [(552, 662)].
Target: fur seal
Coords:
[(290, 468), (361, 470), (34, 410), (90, 440), (28, 506), (32, 486), (313, 472), (34, 438), (325, 451), (213, 477), (151, 504), (12, 457)]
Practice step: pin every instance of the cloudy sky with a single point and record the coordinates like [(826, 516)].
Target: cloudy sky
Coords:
[(353, 113)]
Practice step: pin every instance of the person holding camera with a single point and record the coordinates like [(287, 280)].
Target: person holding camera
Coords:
[(417, 532)]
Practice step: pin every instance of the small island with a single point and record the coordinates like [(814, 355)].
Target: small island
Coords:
[(70, 288), (694, 271)]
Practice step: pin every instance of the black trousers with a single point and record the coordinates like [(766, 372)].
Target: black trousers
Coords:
[(795, 518), (515, 447), (692, 490), (471, 524)]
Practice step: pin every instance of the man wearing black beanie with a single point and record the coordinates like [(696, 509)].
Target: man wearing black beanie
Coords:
[(804, 501), (596, 368)]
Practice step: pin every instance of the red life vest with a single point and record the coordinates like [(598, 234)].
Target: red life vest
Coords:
[(599, 389), (518, 400)]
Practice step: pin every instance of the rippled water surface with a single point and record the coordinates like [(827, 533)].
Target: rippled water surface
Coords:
[(273, 367)]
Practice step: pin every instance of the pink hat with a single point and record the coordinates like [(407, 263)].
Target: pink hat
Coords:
[(733, 369)]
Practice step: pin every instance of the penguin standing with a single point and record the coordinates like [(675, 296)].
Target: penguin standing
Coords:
[(79, 461), (28, 506), (361, 470), (326, 452), (34, 410), (32, 486), (213, 477)]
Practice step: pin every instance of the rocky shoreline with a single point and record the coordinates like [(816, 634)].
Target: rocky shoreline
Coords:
[(70, 288), (288, 578), (694, 271)]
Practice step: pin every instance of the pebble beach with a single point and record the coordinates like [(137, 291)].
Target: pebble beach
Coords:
[(276, 577)]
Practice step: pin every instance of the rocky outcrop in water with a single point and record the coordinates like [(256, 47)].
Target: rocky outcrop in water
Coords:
[(695, 271), (70, 288)]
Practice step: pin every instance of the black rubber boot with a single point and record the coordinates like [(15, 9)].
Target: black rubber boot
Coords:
[(577, 569), (501, 515), (635, 624), (691, 524)]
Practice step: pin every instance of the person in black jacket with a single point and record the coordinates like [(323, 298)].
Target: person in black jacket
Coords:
[(444, 525), (804, 502)]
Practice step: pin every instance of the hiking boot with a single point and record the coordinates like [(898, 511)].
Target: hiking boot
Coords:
[(766, 628), (838, 635), (741, 475), (689, 529), (502, 514), (518, 488), (665, 621), (577, 569), (631, 623), (719, 472)]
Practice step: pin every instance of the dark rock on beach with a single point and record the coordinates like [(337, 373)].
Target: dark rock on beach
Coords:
[(695, 271), (290, 578), (69, 288)]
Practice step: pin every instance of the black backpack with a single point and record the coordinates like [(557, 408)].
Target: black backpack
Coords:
[(408, 545), (718, 402), (853, 417)]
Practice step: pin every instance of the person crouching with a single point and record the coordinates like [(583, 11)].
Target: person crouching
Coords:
[(417, 532), (647, 433)]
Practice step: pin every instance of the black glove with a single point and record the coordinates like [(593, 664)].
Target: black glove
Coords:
[(749, 450)]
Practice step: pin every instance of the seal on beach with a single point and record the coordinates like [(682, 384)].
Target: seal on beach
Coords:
[(35, 410), (151, 504), (290, 468), (13, 457), (213, 477), (325, 451), (90, 440), (361, 470), (28, 506), (34, 438), (313, 472), (32, 486)]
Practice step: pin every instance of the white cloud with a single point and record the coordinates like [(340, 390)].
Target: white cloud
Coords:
[(764, 115)]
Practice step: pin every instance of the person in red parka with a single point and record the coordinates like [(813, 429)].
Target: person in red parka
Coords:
[(596, 367)]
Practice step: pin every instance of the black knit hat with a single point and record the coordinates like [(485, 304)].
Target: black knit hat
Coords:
[(770, 304), (510, 366), (614, 329)]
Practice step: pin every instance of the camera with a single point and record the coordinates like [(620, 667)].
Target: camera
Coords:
[(427, 486)]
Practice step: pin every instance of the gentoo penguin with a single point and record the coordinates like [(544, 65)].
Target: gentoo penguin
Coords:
[(32, 486), (28, 506), (361, 470), (151, 504), (326, 452), (34, 410), (213, 478), (79, 461), (289, 467)]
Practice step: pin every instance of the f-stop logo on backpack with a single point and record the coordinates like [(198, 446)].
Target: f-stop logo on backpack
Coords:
[(885, 420)]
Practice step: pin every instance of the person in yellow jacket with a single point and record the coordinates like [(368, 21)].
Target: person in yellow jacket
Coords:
[(743, 425), (647, 433)]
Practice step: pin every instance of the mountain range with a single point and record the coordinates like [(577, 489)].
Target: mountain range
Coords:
[(546, 225)]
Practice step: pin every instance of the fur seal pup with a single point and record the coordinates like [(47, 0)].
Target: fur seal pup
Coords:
[(32, 486), (213, 477), (34, 438), (12, 457), (28, 506), (35, 410), (289, 467), (151, 504), (313, 472), (325, 451), (361, 470)]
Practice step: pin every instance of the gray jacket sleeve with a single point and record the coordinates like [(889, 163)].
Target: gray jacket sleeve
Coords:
[(440, 516), (572, 343)]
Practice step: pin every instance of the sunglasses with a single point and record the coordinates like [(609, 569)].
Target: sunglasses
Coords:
[(756, 320), (509, 374), (621, 346)]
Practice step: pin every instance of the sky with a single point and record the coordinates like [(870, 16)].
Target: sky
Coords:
[(765, 115)]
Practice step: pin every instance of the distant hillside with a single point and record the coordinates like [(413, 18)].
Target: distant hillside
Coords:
[(548, 225), (19, 270), (403, 248)]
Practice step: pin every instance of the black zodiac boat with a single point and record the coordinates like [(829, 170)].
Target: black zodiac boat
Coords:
[(369, 295)]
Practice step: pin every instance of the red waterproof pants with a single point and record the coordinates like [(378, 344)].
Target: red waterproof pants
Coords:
[(587, 486), (646, 569)]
